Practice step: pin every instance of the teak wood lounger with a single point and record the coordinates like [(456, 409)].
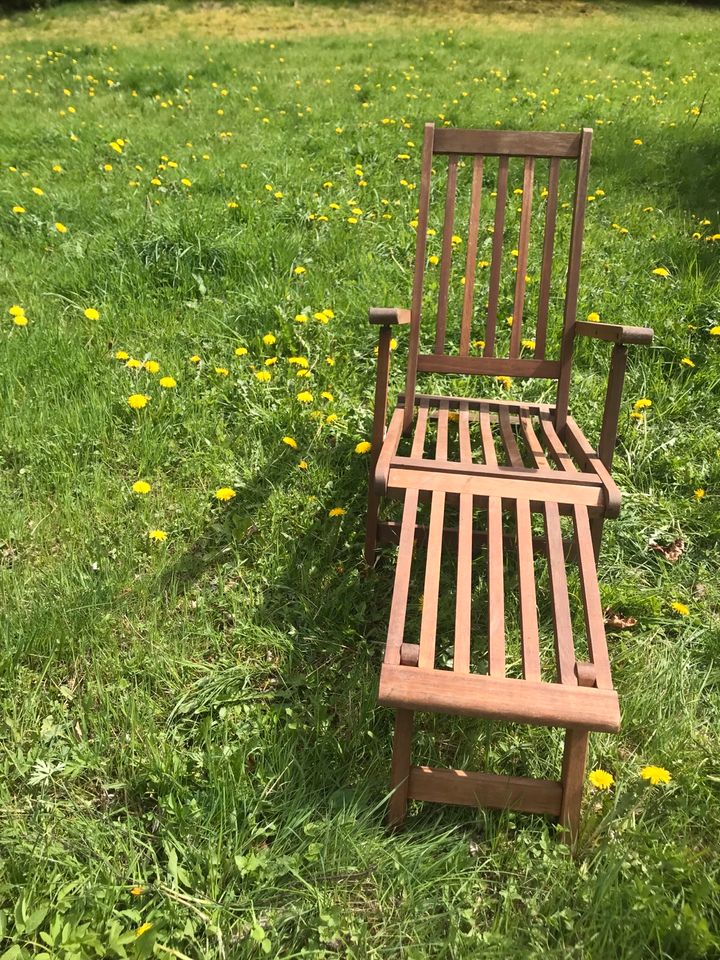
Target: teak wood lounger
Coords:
[(499, 480)]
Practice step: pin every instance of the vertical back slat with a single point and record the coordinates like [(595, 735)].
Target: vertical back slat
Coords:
[(398, 608), (417, 295), (446, 255), (496, 264), (573, 280), (470, 260), (522, 260), (495, 580), (431, 590), (463, 598), (547, 255)]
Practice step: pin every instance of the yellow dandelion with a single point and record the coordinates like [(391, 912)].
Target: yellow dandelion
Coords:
[(18, 209), (263, 376), (699, 493), (167, 383), (143, 928), (301, 318), (290, 442), (195, 359), (298, 361), (152, 366), (185, 182), (638, 142), (269, 339), (326, 395), (434, 260), (136, 891), (336, 512), (505, 382), (642, 403), (714, 331), (601, 779), (225, 494), (656, 775), (134, 364), (593, 317), (122, 355), (141, 486), (305, 396), (20, 321), (138, 400), (157, 536), (686, 361), (363, 447), (682, 608), (60, 227), (38, 191), (299, 270), (240, 351), (16, 310), (222, 371), (661, 272)]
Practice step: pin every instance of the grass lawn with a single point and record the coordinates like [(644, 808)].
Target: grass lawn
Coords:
[(193, 761)]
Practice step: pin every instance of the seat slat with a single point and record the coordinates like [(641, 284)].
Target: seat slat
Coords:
[(486, 435), (463, 598), (398, 607), (592, 606), (562, 621), (547, 255), (446, 255), (512, 451), (470, 262), (496, 263), (431, 589), (522, 259), (533, 444), (557, 450)]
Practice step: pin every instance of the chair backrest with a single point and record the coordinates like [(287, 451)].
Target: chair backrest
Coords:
[(526, 356)]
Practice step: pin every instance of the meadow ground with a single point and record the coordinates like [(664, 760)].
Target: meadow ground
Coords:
[(193, 762)]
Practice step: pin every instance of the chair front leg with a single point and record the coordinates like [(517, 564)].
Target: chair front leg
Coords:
[(378, 435), (608, 432)]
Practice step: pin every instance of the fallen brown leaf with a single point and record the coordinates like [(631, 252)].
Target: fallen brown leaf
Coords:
[(615, 621), (672, 552)]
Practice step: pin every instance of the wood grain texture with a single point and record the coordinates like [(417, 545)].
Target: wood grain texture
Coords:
[(485, 790)]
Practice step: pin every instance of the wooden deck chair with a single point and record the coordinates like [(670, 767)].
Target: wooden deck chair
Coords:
[(501, 478)]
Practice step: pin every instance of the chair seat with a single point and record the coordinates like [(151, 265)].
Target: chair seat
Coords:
[(493, 448), (467, 633)]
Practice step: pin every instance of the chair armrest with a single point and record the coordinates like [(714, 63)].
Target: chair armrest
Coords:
[(614, 332), (388, 315)]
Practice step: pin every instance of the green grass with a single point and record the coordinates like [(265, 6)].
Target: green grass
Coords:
[(198, 717)]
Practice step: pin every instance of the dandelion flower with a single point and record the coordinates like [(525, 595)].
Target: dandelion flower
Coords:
[(136, 891), (185, 182), (157, 536), (638, 142), (21, 320), (143, 928), (60, 227), (195, 359), (167, 383), (336, 512), (18, 209), (363, 447), (299, 270), (122, 355), (263, 376), (222, 371), (38, 191), (240, 351), (686, 361), (290, 442), (682, 608), (134, 364), (16, 310), (302, 465), (138, 400), (642, 403), (152, 366), (269, 339), (301, 318), (661, 272), (225, 494), (714, 331), (326, 395), (601, 779), (91, 313), (432, 259), (699, 493), (305, 396), (656, 775), (141, 486), (593, 317)]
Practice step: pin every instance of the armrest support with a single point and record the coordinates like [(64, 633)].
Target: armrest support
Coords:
[(388, 315), (614, 332)]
